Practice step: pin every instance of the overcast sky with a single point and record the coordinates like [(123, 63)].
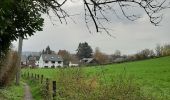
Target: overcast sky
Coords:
[(130, 37)]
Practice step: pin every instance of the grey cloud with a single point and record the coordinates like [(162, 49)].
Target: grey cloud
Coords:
[(130, 36)]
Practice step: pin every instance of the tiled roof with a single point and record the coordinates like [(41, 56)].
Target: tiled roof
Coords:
[(51, 57)]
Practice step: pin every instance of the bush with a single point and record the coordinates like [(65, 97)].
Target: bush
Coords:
[(73, 85), (8, 68)]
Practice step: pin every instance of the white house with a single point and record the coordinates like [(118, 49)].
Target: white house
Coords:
[(73, 64), (50, 61)]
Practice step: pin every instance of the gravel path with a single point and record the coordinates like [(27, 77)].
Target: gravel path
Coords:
[(27, 95)]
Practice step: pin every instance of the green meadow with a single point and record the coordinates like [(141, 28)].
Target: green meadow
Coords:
[(153, 75)]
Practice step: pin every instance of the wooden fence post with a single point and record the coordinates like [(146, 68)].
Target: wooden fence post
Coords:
[(47, 84), (54, 89), (32, 75), (28, 74), (25, 74), (42, 79), (38, 76), (47, 87)]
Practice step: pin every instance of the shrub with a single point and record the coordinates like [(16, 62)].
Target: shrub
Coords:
[(8, 68), (73, 85)]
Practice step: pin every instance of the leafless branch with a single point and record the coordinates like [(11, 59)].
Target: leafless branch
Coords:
[(97, 9)]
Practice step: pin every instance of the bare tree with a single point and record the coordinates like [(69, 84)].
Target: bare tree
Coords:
[(158, 50), (117, 53), (99, 7), (95, 10), (102, 58)]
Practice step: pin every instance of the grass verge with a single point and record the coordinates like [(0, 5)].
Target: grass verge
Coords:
[(12, 92)]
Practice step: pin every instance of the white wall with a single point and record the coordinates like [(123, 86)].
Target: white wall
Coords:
[(42, 64), (72, 64)]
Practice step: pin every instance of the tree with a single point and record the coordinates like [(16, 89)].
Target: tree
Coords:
[(84, 51), (117, 53), (47, 50), (152, 54), (144, 54), (100, 57), (158, 50), (65, 55), (165, 50), (23, 17), (18, 19)]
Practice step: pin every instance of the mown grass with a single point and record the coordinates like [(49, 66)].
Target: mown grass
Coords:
[(12, 92), (153, 76)]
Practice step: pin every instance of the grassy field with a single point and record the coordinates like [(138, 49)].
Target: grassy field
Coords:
[(152, 75)]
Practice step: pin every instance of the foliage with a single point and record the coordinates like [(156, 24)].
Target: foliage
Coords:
[(100, 57), (84, 51), (74, 85), (66, 56), (144, 54), (152, 76), (47, 50), (163, 50), (117, 53), (18, 18), (12, 92), (36, 88), (8, 69)]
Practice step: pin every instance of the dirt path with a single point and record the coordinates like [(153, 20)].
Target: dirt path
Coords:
[(27, 94)]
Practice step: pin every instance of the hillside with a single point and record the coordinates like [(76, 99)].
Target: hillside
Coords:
[(152, 75)]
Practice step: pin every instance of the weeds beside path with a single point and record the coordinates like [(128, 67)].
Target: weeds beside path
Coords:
[(12, 92)]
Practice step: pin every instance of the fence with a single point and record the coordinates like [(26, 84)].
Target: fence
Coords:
[(43, 81)]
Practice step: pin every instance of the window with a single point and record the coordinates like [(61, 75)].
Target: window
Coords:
[(59, 62), (45, 66), (46, 61), (53, 62), (52, 66)]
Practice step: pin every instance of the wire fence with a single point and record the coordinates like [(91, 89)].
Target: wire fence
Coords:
[(49, 86)]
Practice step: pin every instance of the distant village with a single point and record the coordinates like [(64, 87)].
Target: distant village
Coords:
[(50, 59), (47, 58), (85, 56)]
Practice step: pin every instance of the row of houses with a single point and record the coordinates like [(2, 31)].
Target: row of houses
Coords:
[(52, 61), (42, 61)]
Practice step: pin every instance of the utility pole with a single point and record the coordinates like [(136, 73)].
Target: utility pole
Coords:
[(18, 74)]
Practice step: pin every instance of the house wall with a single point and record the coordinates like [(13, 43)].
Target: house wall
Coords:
[(72, 64), (42, 64), (37, 63), (56, 64)]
